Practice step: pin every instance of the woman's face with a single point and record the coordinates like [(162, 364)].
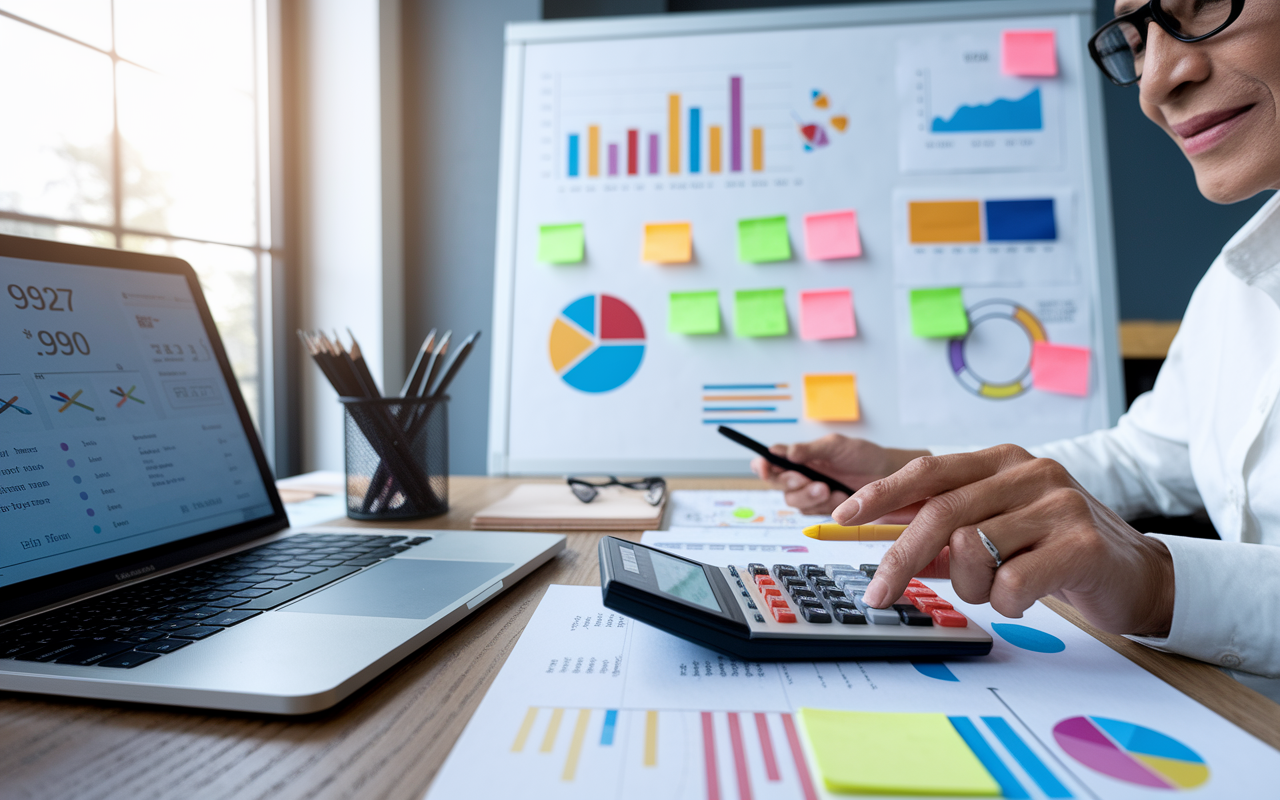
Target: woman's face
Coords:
[(1219, 99)]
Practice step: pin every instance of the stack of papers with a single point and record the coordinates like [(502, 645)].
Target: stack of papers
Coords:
[(553, 507)]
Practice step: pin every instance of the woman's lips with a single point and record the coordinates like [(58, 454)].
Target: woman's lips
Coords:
[(1205, 130)]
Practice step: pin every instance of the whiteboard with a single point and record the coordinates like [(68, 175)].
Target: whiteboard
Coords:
[(867, 108)]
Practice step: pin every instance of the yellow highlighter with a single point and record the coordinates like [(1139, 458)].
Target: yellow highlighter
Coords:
[(855, 533)]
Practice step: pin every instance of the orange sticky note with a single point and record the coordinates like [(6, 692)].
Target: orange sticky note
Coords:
[(827, 314), (831, 398), (832, 234), (1030, 54), (668, 242), (1060, 368)]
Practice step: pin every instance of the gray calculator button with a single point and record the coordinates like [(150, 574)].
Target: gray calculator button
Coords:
[(882, 616)]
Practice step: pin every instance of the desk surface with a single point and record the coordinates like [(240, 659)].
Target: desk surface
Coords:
[(388, 740)]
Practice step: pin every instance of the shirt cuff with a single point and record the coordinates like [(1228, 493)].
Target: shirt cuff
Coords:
[(1207, 624)]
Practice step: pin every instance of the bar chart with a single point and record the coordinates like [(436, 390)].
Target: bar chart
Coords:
[(730, 123)]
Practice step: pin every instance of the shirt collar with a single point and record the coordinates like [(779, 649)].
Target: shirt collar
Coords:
[(1253, 254)]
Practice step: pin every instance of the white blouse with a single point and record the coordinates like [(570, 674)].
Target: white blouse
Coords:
[(1207, 437)]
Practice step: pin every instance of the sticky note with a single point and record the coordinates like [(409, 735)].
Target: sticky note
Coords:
[(694, 312), (869, 752), (1060, 368), (831, 398), (938, 313), (668, 242), (763, 239), (1032, 54), (832, 234), (561, 244), (760, 312), (827, 314)]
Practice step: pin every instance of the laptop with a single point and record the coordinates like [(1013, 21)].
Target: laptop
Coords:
[(145, 555)]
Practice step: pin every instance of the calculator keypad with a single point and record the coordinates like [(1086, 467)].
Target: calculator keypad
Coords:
[(831, 594)]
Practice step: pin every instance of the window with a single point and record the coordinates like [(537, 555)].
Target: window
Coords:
[(142, 125)]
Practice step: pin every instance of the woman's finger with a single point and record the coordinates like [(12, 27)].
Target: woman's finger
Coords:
[(927, 477)]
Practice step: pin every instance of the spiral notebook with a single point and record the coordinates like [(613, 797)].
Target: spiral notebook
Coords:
[(553, 507)]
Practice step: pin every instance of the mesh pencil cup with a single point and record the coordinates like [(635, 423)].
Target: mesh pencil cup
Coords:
[(397, 457)]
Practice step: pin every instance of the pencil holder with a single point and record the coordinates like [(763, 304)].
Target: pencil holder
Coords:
[(397, 457)]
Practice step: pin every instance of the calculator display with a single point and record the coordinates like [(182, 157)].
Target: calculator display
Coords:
[(684, 580)]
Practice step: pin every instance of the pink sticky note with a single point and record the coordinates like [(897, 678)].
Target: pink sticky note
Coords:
[(832, 234), (1029, 54), (827, 314), (1060, 368)]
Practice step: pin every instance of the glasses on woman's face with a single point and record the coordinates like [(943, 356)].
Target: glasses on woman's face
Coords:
[(1119, 46)]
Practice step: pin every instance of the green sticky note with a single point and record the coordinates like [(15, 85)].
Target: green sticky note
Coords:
[(763, 239), (561, 244), (760, 312), (694, 312), (938, 313), (866, 752)]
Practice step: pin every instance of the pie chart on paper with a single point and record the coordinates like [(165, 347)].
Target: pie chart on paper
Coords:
[(597, 343), (1131, 753)]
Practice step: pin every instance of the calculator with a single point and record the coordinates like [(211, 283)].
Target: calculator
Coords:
[(785, 613)]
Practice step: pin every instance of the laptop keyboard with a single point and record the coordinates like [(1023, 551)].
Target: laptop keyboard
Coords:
[(132, 626)]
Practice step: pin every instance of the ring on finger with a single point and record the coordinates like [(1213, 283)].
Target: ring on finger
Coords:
[(991, 548)]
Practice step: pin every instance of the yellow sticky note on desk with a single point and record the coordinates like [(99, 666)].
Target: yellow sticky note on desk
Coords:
[(831, 398), (868, 752), (668, 242)]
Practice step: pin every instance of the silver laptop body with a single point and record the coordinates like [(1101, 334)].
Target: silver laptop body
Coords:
[(130, 472)]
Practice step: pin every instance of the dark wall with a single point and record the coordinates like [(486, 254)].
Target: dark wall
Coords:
[(1166, 232)]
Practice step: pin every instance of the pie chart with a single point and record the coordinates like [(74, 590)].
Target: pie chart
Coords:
[(1131, 753), (597, 343)]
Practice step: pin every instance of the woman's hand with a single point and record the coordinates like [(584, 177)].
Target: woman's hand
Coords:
[(1052, 536), (853, 462)]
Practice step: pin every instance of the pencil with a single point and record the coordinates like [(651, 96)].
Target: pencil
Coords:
[(855, 533)]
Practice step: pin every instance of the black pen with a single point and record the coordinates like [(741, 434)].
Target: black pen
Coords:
[(783, 463)]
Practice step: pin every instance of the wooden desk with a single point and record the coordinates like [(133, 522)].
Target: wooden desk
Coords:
[(388, 740)]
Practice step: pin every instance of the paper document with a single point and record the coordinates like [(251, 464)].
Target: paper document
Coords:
[(741, 509), (591, 704)]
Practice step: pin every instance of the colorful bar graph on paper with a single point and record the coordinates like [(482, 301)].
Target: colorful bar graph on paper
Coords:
[(1031, 220), (972, 221), (610, 727), (633, 152), (651, 738), (944, 222), (747, 403), (613, 159), (766, 747), (757, 149), (735, 123), (593, 151), (653, 154), (709, 756), (695, 140), (573, 155), (713, 150), (673, 133), (575, 745)]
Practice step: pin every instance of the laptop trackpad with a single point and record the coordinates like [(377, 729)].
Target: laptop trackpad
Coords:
[(409, 588)]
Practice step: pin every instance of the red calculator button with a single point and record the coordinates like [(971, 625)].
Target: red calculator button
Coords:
[(917, 584), (771, 591), (764, 580), (948, 618), (777, 602), (919, 591), (930, 603), (784, 616)]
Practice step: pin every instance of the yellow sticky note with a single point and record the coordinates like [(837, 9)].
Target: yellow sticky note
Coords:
[(868, 752), (831, 398), (668, 242)]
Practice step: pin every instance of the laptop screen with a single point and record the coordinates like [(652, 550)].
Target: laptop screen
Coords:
[(118, 430)]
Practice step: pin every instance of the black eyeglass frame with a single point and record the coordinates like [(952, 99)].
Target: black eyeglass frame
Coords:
[(1143, 16), (655, 488)]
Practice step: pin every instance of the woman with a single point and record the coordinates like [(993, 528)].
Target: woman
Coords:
[(1206, 437)]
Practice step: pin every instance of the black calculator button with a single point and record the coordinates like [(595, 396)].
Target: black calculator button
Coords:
[(795, 582), (784, 570), (799, 593), (869, 569), (834, 594), (849, 616), (818, 615), (823, 580), (757, 569), (811, 570), (912, 615), (809, 602)]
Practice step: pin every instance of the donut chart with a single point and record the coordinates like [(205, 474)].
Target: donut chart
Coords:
[(1131, 753), (962, 365), (597, 343)]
